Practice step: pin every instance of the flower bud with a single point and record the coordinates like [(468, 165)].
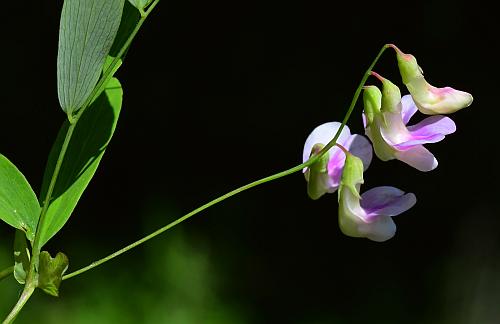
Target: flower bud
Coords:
[(391, 96), (372, 100), (429, 99)]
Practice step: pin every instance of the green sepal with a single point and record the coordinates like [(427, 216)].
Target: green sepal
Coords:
[(317, 172), (21, 257), (352, 176), (391, 96), (372, 101), (408, 67), (51, 271)]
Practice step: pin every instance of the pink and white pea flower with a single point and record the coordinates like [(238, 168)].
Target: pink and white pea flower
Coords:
[(369, 214), (429, 99), (385, 118), (324, 176)]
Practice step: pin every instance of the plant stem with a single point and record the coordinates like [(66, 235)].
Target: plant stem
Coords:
[(6, 272), (353, 102), (189, 215), (108, 74), (32, 278), (297, 168), (25, 296), (46, 202)]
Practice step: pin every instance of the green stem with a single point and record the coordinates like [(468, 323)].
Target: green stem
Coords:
[(353, 102), (48, 196), (297, 168), (32, 278), (189, 215), (108, 74), (25, 296), (6, 272)]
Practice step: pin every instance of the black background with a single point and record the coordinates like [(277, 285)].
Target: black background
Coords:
[(220, 93)]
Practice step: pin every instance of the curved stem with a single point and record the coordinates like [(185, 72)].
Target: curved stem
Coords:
[(50, 190), (32, 278), (311, 161), (6, 272), (189, 215), (108, 74), (25, 296), (297, 168), (353, 102)]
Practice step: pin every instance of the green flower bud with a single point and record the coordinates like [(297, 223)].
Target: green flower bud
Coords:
[(372, 101), (317, 174)]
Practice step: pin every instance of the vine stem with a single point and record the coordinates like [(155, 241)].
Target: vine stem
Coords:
[(108, 74), (25, 296), (297, 168), (32, 277)]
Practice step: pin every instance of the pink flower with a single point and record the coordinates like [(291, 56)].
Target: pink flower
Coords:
[(370, 214), (324, 176), (385, 119), (429, 99)]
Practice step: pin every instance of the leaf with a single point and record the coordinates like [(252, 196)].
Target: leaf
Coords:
[(140, 4), (18, 203), (51, 271), (86, 148), (130, 19), (21, 257), (86, 33)]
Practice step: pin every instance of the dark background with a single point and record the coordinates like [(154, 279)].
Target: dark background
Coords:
[(221, 93)]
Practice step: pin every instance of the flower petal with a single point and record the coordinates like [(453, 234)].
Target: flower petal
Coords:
[(434, 138), (359, 146), (433, 125), (386, 201), (408, 108), (353, 219), (323, 134), (382, 229), (335, 167), (430, 130), (431, 100), (418, 157)]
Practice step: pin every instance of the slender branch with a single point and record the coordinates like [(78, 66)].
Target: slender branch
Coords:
[(25, 296), (48, 195), (297, 168), (6, 272), (189, 215), (353, 102), (32, 278), (108, 74)]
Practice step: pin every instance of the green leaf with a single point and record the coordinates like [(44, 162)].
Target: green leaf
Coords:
[(87, 31), (140, 4), (50, 272), (18, 203), (130, 19), (21, 257), (86, 148)]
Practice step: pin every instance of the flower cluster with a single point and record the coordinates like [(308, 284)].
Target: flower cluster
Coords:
[(385, 118)]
